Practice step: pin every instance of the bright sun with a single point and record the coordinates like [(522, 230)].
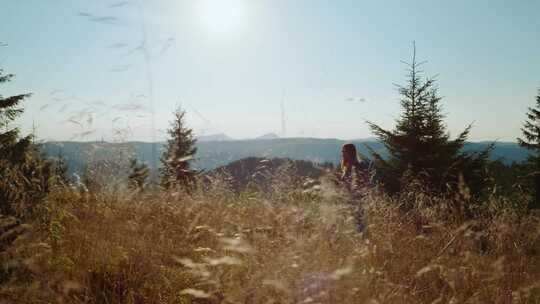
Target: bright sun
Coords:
[(222, 16)]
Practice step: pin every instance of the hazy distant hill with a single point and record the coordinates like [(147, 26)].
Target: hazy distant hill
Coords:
[(213, 154), (268, 136), (214, 137), (260, 170)]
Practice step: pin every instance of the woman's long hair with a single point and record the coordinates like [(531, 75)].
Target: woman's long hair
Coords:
[(349, 151)]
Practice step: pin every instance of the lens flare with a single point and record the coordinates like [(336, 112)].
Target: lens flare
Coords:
[(222, 16)]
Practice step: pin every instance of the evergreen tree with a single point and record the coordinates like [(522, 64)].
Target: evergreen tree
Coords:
[(179, 150), (531, 141), (138, 175), (420, 147), (25, 175), (11, 147)]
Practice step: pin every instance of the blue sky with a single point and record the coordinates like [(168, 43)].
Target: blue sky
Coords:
[(231, 63)]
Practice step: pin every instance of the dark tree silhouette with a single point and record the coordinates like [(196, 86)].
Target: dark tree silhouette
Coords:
[(179, 151), (420, 147), (531, 141), (24, 175)]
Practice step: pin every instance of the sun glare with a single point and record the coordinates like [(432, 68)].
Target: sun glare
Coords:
[(222, 16)]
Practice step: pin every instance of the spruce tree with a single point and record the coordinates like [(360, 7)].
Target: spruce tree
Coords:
[(138, 175), (419, 146), (179, 150), (531, 141), (25, 175), (11, 146)]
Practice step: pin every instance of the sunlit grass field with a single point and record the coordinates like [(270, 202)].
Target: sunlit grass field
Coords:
[(290, 244)]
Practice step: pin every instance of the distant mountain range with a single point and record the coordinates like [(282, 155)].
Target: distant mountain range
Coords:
[(268, 136), (215, 137), (217, 153), (225, 137)]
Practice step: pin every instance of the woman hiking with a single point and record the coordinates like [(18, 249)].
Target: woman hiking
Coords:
[(356, 175)]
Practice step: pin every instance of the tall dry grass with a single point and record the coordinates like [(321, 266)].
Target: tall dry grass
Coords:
[(289, 245)]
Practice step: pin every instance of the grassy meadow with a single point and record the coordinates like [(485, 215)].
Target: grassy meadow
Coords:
[(293, 243)]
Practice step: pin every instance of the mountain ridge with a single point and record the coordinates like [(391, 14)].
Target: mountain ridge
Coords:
[(214, 154)]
